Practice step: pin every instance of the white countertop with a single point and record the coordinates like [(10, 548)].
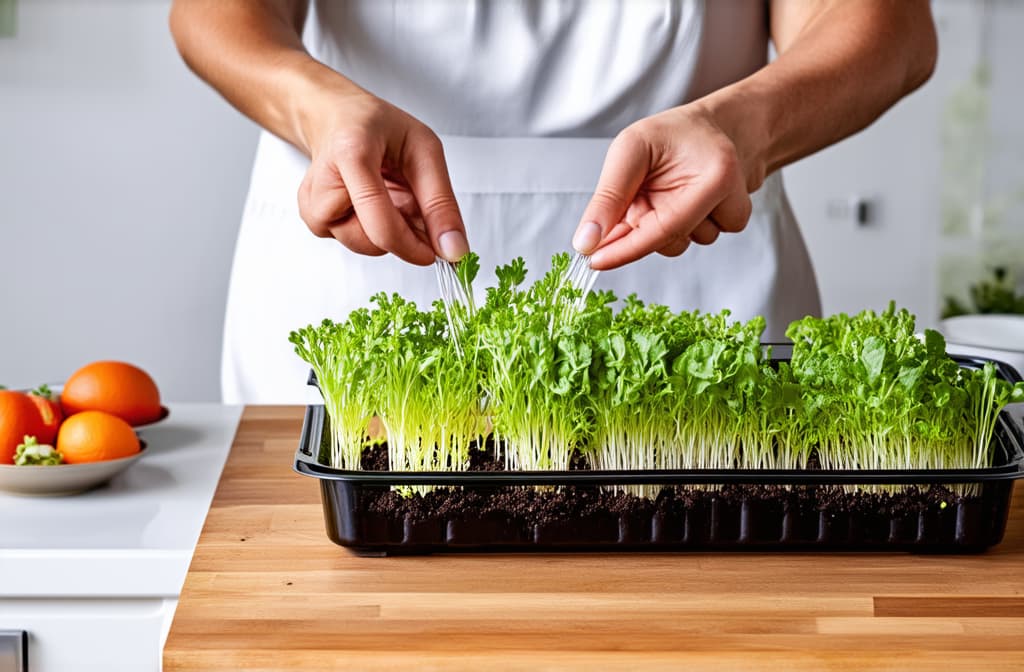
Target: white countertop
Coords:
[(132, 537)]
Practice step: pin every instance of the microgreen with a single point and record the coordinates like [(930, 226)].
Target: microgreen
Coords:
[(555, 373)]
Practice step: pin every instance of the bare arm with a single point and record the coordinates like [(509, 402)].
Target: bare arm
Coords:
[(377, 180), (841, 64), (684, 175)]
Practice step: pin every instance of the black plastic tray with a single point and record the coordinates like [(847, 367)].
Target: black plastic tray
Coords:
[(731, 516)]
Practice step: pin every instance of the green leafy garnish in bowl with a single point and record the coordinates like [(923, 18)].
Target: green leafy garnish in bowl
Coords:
[(32, 453)]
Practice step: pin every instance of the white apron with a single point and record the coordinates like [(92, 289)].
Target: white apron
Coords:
[(518, 95)]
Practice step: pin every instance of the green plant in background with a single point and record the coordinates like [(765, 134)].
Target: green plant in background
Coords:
[(995, 296), (8, 18), (981, 193), (559, 376)]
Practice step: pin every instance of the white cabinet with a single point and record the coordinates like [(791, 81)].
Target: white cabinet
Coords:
[(94, 578), (91, 635)]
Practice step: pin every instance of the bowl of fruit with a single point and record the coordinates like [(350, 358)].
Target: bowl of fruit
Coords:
[(73, 437)]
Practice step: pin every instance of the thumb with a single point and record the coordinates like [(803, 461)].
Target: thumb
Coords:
[(427, 173), (625, 168)]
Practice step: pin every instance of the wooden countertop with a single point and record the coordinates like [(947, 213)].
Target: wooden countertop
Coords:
[(268, 591)]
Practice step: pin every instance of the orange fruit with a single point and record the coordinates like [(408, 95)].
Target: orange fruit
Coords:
[(114, 387), (19, 417), (94, 436)]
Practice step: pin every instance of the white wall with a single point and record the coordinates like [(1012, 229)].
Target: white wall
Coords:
[(122, 179), (121, 185), (897, 164)]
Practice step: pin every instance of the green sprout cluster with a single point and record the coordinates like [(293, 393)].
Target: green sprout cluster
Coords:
[(875, 396), (553, 375), (997, 295), (398, 363)]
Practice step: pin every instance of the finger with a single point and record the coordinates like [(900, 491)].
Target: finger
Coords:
[(403, 200), (658, 228), (408, 208), (381, 221), (345, 229), (616, 232), (705, 233), (350, 234), (676, 247), (625, 168), (303, 197), (323, 199), (427, 174), (732, 214), (419, 228)]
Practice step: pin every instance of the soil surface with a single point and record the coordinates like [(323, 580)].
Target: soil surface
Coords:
[(538, 505)]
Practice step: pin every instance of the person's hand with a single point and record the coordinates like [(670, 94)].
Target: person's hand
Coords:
[(378, 183), (668, 180)]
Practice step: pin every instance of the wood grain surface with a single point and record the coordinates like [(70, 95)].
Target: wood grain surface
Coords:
[(268, 591)]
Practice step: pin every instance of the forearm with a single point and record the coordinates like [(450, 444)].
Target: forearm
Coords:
[(838, 70), (252, 53)]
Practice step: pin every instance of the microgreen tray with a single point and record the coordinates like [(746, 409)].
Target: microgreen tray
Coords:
[(944, 510)]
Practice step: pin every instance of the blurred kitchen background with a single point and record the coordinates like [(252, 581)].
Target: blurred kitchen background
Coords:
[(122, 179)]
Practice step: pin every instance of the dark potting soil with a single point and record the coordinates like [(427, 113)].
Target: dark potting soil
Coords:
[(539, 506), (536, 505)]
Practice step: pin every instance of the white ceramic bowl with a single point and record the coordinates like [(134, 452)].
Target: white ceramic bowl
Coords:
[(62, 479), (1004, 332), (999, 337), (164, 412)]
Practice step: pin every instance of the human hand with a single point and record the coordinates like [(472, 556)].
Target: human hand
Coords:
[(668, 180), (378, 182)]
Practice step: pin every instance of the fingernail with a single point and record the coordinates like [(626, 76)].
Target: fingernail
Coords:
[(588, 235), (453, 244)]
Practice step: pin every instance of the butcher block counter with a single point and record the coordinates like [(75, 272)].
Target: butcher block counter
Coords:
[(268, 591)]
